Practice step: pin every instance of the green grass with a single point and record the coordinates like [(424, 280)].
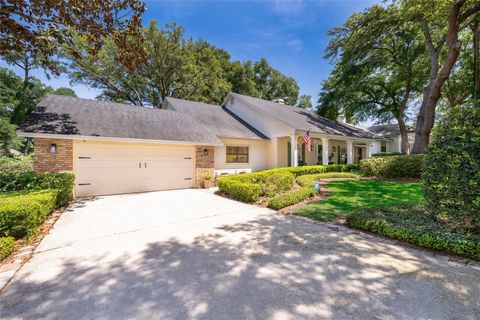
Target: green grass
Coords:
[(348, 196)]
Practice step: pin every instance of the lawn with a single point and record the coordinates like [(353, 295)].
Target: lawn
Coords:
[(348, 196)]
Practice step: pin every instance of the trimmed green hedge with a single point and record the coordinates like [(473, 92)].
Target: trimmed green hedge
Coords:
[(18, 181), (18, 164), (291, 198), (251, 186), (411, 223), (7, 245), (22, 212), (404, 166), (308, 179), (387, 154), (243, 191)]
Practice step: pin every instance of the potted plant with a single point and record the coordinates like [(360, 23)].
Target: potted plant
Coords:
[(207, 179)]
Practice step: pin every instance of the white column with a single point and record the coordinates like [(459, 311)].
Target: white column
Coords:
[(367, 150), (325, 151), (294, 153), (349, 152)]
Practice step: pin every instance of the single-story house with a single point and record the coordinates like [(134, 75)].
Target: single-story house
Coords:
[(118, 148), (394, 141)]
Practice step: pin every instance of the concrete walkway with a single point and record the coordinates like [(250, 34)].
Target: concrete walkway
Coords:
[(189, 254)]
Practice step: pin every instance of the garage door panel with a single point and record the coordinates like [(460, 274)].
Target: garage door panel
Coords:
[(112, 169)]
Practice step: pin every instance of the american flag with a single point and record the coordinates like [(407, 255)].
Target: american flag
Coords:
[(308, 142)]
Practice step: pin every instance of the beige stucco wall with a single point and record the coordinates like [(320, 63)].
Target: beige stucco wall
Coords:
[(258, 154)]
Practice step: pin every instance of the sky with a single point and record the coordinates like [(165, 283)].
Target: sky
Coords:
[(290, 34)]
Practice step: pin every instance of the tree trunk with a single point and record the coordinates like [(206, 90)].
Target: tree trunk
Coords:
[(432, 92), (403, 135), (476, 57)]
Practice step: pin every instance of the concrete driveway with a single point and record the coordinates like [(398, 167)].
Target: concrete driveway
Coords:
[(191, 254)]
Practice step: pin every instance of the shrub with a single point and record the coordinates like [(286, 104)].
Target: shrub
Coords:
[(63, 182), (19, 164), (404, 166), (301, 171), (243, 191), (7, 244), (22, 212), (412, 223), (387, 154), (451, 173), (308, 179), (291, 198)]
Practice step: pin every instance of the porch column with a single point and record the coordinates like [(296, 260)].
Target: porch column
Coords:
[(349, 152), (294, 153), (325, 151), (367, 150)]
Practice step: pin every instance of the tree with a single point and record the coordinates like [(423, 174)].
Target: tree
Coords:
[(36, 26), (379, 59), (441, 22), (174, 66), (304, 101), (63, 91)]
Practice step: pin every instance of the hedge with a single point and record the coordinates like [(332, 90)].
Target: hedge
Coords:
[(243, 191), (291, 198), (412, 223), (63, 182), (301, 171), (7, 245), (404, 166), (387, 154), (22, 212), (18, 164), (451, 174), (307, 180)]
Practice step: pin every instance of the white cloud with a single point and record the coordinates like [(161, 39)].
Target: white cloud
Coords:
[(289, 7), (295, 44)]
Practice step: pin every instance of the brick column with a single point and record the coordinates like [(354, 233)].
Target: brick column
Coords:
[(46, 161), (204, 162)]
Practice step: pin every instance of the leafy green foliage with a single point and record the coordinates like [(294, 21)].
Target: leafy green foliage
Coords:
[(451, 172), (7, 245), (304, 102), (18, 181), (308, 180), (387, 154), (412, 223), (243, 191), (18, 164), (291, 198), (300, 171), (347, 196), (21, 213), (402, 166)]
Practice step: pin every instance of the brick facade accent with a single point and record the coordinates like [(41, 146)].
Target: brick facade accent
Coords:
[(203, 163), (44, 161)]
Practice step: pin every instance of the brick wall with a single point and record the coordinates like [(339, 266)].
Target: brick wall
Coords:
[(203, 163), (53, 162)]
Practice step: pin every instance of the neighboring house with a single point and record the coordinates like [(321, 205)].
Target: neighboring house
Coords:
[(391, 131), (117, 148)]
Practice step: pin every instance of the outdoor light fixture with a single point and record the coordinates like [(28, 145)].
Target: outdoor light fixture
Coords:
[(205, 152), (53, 148)]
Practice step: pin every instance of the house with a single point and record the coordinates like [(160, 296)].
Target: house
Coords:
[(394, 141), (117, 148)]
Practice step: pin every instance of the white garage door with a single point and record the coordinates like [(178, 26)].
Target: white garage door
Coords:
[(103, 169)]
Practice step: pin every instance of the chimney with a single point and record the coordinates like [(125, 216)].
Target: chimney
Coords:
[(341, 118), (279, 100)]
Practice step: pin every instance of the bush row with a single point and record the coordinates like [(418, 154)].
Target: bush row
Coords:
[(22, 212), (17, 181), (19, 164), (387, 154), (7, 244), (308, 180), (404, 166), (411, 223), (291, 198), (250, 186)]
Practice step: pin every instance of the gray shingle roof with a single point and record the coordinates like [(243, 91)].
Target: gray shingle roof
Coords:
[(74, 116), (302, 119), (219, 120), (388, 130)]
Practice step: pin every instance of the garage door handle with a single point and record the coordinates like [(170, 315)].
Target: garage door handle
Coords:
[(187, 179), (189, 158), (140, 165), (145, 165), (84, 184)]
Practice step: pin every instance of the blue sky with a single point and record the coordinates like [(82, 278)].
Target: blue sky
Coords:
[(290, 34)]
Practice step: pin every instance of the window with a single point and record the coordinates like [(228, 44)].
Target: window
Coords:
[(237, 154), (383, 146), (319, 154)]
